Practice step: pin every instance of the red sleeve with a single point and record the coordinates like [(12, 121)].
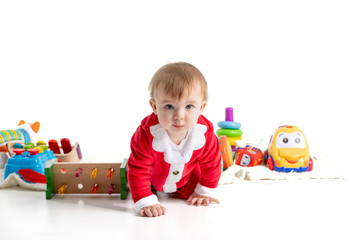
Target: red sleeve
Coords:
[(140, 165), (210, 161)]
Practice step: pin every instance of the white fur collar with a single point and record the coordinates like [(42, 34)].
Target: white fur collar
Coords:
[(177, 155)]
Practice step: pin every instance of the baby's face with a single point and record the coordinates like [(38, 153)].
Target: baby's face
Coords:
[(177, 116)]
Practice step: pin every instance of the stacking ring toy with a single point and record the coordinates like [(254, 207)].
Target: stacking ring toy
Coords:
[(229, 132), (229, 125), (232, 140)]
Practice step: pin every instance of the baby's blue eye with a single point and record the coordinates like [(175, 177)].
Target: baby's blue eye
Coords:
[(169, 106), (188, 107)]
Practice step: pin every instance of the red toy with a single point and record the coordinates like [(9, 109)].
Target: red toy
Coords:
[(248, 156)]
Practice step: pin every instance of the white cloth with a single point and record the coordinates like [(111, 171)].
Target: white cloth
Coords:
[(14, 180)]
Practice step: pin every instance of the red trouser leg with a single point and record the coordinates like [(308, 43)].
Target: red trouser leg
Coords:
[(185, 191)]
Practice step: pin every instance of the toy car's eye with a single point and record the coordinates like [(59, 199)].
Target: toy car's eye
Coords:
[(245, 160), (290, 140)]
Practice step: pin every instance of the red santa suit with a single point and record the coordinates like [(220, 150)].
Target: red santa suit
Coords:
[(193, 165)]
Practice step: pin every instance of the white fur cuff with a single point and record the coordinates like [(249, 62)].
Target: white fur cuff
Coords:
[(145, 202), (205, 191)]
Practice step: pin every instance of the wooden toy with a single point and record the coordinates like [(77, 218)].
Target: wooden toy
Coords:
[(73, 156), (60, 176), (65, 153)]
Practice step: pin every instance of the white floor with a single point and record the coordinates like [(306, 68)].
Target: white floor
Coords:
[(298, 209)]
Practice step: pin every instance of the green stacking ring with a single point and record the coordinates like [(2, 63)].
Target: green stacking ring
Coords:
[(229, 132)]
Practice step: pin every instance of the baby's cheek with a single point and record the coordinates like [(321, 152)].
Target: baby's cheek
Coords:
[(164, 122), (193, 120)]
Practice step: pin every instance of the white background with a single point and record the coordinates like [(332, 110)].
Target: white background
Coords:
[(82, 68)]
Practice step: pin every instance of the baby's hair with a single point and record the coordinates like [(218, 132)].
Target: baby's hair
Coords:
[(177, 78)]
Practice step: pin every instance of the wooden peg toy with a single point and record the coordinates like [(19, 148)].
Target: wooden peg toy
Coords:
[(93, 178), (95, 188), (62, 189), (94, 173), (111, 189), (78, 172), (110, 173)]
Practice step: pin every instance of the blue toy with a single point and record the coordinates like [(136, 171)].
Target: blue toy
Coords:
[(29, 164)]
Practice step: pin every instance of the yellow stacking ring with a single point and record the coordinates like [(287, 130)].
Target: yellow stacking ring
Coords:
[(233, 140)]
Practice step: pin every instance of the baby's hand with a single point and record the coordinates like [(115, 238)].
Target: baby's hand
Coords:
[(196, 199), (152, 211)]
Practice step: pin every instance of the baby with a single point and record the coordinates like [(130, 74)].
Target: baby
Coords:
[(174, 149)]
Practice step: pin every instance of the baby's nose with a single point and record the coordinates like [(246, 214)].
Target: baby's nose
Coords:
[(179, 115)]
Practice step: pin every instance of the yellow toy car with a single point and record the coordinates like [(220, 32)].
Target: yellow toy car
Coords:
[(288, 151)]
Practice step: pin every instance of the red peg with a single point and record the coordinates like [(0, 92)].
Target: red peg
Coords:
[(66, 145), (54, 146), (111, 189), (33, 151), (95, 188), (19, 151)]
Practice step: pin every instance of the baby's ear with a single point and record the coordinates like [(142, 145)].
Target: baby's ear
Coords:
[(203, 105), (153, 105)]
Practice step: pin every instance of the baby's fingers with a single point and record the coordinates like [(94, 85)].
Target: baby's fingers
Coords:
[(206, 202), (152, 211), (142, 213), (199, 201), (189, 199), (193, 200), (214, 200), (158, 211), (148, 212), (163, 210)]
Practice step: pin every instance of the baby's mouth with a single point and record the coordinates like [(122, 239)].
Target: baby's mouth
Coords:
[(178, 125)]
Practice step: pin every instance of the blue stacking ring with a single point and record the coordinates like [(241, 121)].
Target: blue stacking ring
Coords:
[(229, 125)]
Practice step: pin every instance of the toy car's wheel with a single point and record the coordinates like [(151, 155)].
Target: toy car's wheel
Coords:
[(311, 165), (265, 156), (270, 164)]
